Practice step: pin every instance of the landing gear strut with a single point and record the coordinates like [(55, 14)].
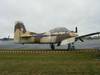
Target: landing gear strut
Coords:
[(71, 46), (52, 46)]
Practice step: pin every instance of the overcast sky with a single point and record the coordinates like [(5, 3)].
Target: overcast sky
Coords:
[(43, 15)]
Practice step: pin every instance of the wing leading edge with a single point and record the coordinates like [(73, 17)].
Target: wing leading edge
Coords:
[(82, 36)]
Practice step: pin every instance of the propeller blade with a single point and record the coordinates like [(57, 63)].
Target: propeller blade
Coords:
[(81, 40), (76, 29)]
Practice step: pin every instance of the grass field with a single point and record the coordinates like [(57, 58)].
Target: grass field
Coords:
[(69, 63)]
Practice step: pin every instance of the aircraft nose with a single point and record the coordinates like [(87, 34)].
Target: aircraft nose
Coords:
[(73, 34)]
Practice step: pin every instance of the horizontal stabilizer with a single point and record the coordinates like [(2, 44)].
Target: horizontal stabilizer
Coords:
[(28, 36)]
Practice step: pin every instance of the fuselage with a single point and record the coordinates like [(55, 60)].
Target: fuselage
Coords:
[(47, 38), (55, 35)]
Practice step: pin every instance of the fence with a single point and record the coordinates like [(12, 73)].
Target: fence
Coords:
[(59, 51)]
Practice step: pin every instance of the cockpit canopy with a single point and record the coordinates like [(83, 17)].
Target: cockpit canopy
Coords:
[(59, 29)]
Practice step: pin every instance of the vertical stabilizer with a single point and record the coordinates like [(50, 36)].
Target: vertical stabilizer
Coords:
[(18, 31)]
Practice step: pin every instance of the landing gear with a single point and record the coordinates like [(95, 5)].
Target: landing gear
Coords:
[(52, 46), (71, 46)]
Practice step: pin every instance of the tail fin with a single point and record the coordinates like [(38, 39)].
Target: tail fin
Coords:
[(18, 31)]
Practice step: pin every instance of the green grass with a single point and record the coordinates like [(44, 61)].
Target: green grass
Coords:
[(72, 63)]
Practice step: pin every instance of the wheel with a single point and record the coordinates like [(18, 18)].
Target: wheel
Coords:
[(52, 46), (69, 47)]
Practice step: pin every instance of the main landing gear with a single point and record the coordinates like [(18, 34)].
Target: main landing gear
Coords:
[(71, 46), (52, 46)]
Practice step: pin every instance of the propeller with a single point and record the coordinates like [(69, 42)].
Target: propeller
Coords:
[(79, 39), (76, 30)]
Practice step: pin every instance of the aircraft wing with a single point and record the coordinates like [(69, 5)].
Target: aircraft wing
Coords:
[(82, 36), (73, 39)]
